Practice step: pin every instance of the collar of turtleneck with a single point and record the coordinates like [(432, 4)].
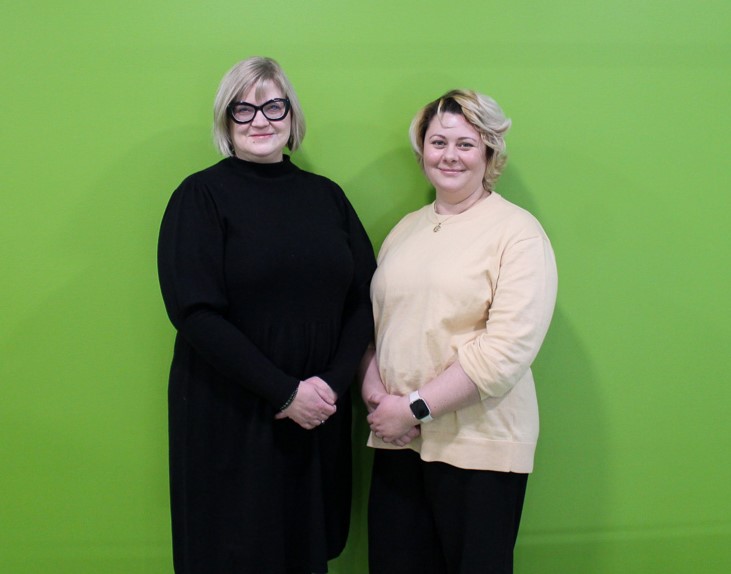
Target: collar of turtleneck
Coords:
[(268, 170)]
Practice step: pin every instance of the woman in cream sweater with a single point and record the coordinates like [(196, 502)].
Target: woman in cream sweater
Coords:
[(462, 298)]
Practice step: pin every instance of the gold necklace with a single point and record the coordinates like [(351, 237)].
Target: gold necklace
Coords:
[(438, 226)]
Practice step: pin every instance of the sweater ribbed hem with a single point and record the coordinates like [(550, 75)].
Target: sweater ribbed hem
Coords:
[(480, 454)]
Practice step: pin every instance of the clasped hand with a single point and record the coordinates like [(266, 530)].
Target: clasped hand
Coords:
[(391, 419), (313, 404)]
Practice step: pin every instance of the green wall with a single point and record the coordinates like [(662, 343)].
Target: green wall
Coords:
[(619, 146)]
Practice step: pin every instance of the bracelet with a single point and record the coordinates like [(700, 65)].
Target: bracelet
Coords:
[(290, 399)]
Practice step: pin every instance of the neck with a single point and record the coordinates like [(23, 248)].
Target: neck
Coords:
[(442, 205)]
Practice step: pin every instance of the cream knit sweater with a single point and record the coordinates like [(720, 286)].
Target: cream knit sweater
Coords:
[(481, 290)]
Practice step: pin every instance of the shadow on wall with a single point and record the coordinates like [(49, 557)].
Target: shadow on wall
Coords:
[(384, 190), (569, 494)]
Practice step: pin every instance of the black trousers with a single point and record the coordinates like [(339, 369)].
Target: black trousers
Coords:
[(434, 518)]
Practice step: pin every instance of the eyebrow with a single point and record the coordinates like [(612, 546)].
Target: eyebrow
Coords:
[(462, 138)]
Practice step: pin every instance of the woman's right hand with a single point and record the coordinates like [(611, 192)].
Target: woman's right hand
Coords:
[(408, 437), (372, 402), (373, 391), (313, 404)]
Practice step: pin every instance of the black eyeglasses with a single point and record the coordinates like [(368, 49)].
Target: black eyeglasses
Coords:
[(244, 112)]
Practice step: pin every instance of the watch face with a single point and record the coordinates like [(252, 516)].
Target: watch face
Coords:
[(419, 408)]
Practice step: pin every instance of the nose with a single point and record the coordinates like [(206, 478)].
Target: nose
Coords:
[(259, 119), (450, 153)]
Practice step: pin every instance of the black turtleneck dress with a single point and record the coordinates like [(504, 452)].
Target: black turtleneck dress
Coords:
[(265, 271)]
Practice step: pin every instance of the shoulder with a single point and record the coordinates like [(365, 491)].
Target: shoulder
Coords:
[(197, 191), (206, 177), (323, 190), (410, 219), (319, 183), (513, 220), (404, 228)]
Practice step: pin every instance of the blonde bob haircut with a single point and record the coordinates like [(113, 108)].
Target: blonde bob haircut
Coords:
[(482, 113), (253, 72)]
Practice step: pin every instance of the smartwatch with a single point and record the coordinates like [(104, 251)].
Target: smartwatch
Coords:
[(419, 408)]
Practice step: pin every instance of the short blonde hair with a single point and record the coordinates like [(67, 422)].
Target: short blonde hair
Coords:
[(482, 113), (253, 72)]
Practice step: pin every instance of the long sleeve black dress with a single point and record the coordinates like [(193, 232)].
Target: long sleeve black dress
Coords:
[(265, 271)]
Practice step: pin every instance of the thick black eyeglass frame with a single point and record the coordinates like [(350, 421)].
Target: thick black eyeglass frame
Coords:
[(287, 107)]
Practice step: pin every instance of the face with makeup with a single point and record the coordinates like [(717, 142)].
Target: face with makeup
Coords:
[(261, 140), (454, 159)]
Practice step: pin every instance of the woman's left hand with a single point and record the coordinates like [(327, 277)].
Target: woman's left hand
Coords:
[(392, 418), (313, 404)]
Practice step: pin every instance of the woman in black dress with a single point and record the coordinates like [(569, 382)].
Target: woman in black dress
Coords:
[(265, 270)]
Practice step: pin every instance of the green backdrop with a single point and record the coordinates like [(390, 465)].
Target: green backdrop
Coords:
[(619, 146)]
